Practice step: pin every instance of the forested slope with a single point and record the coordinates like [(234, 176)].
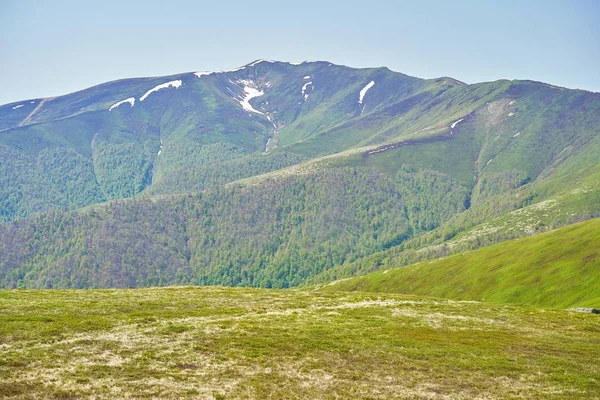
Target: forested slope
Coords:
[(276, 234)]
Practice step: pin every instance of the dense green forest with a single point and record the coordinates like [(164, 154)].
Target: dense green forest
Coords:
[(276, 234)]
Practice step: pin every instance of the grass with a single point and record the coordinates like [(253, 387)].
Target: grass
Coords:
[(255, 343), (560, 268)]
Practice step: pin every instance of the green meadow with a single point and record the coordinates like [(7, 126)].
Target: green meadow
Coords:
[(231, 343)]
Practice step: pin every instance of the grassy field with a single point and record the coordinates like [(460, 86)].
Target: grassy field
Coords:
[(560, 268), (255, 343)]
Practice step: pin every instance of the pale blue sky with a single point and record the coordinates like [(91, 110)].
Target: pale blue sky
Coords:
[(49, 48)]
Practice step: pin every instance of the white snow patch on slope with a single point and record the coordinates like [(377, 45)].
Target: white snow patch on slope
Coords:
[(304, 88), (306, 77), (231, 70), (364, 90), (19, 106), (32, 102), (456, 123), (250, 93), (259, 61), (516, 134), (200, 74), (174, 84), (130, 100)]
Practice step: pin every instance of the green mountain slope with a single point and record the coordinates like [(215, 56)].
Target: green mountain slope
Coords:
[(279, 175), (561, 199), (560, 268), (197, 131), (276, 234)]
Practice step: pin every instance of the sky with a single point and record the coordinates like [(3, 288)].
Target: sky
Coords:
[(55, 47)]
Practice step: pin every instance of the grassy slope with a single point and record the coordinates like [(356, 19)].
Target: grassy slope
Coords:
[(560, 268), (243, 343)]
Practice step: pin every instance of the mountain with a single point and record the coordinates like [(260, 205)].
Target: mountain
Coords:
[(280, 174)]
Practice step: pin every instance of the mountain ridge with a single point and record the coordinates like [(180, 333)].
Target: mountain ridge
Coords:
[(252, 63)]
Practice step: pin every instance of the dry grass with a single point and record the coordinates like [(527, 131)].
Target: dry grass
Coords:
[(243, 343)]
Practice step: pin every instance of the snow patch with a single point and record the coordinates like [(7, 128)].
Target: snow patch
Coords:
[(19, 106), (364, 91), (305, 87), (453, 125), (510, 114), (250, 93), (161, 146), (306, 77), (237, 69), (456, 123), (260, 61), (516, 134), (200, 74), (130, 100), (385, 148), (489, 161), (174, 84), (32, 102)]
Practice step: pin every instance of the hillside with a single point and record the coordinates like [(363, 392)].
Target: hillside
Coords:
[(218, 343), (550, 203), (193, 131), (560, 268), (276, 234), (278, 174)]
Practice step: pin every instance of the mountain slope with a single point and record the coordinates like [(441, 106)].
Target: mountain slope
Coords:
[(560, 268), (276, 234), (563, 198), (193, 131), (277, 174)]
